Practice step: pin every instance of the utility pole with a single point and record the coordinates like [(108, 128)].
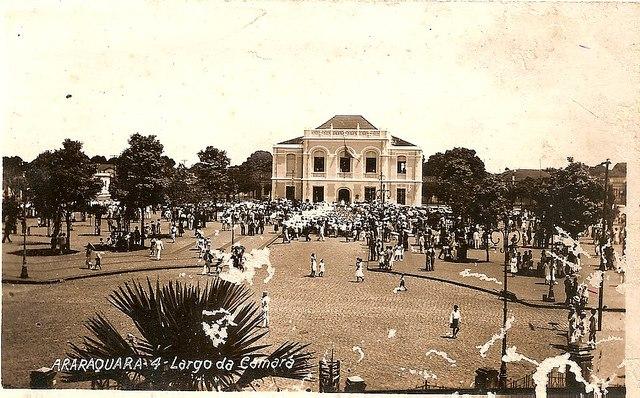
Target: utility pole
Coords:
[(603, 242), (24, 274), (505, 245)]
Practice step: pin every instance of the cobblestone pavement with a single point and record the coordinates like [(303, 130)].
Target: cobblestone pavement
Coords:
[(43, 268), (528, 288), (333, 312)]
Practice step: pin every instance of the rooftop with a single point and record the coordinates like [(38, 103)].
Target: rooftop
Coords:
[(521, 174), (347, 122), (293, 141)]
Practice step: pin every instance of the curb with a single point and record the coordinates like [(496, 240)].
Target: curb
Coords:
[(492, 292), (18, 281)]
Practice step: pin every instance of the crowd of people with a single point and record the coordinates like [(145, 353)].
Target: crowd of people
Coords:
[(388, 231)]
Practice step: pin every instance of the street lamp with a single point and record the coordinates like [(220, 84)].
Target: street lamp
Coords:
[(603, 239), (382, 189), (24, 274), (506, 247), (233, 224)]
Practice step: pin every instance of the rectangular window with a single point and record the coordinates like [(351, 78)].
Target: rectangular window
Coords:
[(369, 194), (345, 164), (402, 165), (290, 193), (318, 164), (370, 165), (318, 194), (402, 196)]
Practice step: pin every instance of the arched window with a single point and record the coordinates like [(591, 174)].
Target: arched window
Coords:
[(291, 164), (319, 161), (402, 165), (345, 162), (370, 162)]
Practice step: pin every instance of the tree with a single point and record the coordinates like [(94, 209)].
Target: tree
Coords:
[(257, 172), (139, 180), (457, 174), (569, 198), (187, 323), (99, 159), (491, 204), (181, 186), (61, 182), (211, 171), (13, 168)]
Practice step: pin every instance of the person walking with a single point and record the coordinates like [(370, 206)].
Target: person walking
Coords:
[(265, 309), (98, 264), (454, 321), (314, 265), (476, 239), (359, 270), (421, 243), (8, 227), (568, 288), (402, 287), (432, 254), (152, 247), (208, 261), (174, 231), (427, 260), (321, 273), (88, 255), (592, 328), (62, 242), (159, 248)]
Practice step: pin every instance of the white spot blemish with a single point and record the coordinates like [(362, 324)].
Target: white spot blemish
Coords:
[(359, 351), (444, 355), (467, 273), (503, 331)]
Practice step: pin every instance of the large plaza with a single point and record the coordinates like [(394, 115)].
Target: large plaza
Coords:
[(393, 330)]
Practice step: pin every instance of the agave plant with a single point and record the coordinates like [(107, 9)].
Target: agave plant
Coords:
[(178, 323)]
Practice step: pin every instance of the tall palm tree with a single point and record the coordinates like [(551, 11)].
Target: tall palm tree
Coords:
[(186, 322)]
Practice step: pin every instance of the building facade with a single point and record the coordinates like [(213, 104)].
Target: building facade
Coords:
[(347, 159), (104, 172)]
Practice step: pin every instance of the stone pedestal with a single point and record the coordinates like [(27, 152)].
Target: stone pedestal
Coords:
[(581, 354), (43, 378)]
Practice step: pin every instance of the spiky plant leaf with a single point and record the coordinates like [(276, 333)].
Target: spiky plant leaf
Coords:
[(169, 319)]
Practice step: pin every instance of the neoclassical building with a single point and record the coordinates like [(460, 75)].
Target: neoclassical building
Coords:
[(347, 159)]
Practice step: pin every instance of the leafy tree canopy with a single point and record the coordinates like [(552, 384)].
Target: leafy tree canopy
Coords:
[(139, 180), (211, 170)]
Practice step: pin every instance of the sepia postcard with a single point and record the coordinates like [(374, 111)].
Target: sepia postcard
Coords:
[(302, 197)]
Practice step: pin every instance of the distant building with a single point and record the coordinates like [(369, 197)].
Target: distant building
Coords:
[(104, 172), (617, 181), (521, 174), (347, 159)]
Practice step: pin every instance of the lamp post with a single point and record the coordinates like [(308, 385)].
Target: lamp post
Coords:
[(506, 247), (382, 189), (603, 241), (24, 273), (233, 225)]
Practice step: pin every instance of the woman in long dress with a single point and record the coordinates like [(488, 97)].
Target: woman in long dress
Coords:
[(359, 271), (314, 265), (513, 263), (547, 273)]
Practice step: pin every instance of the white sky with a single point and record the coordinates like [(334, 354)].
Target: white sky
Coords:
[(522, 84)]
